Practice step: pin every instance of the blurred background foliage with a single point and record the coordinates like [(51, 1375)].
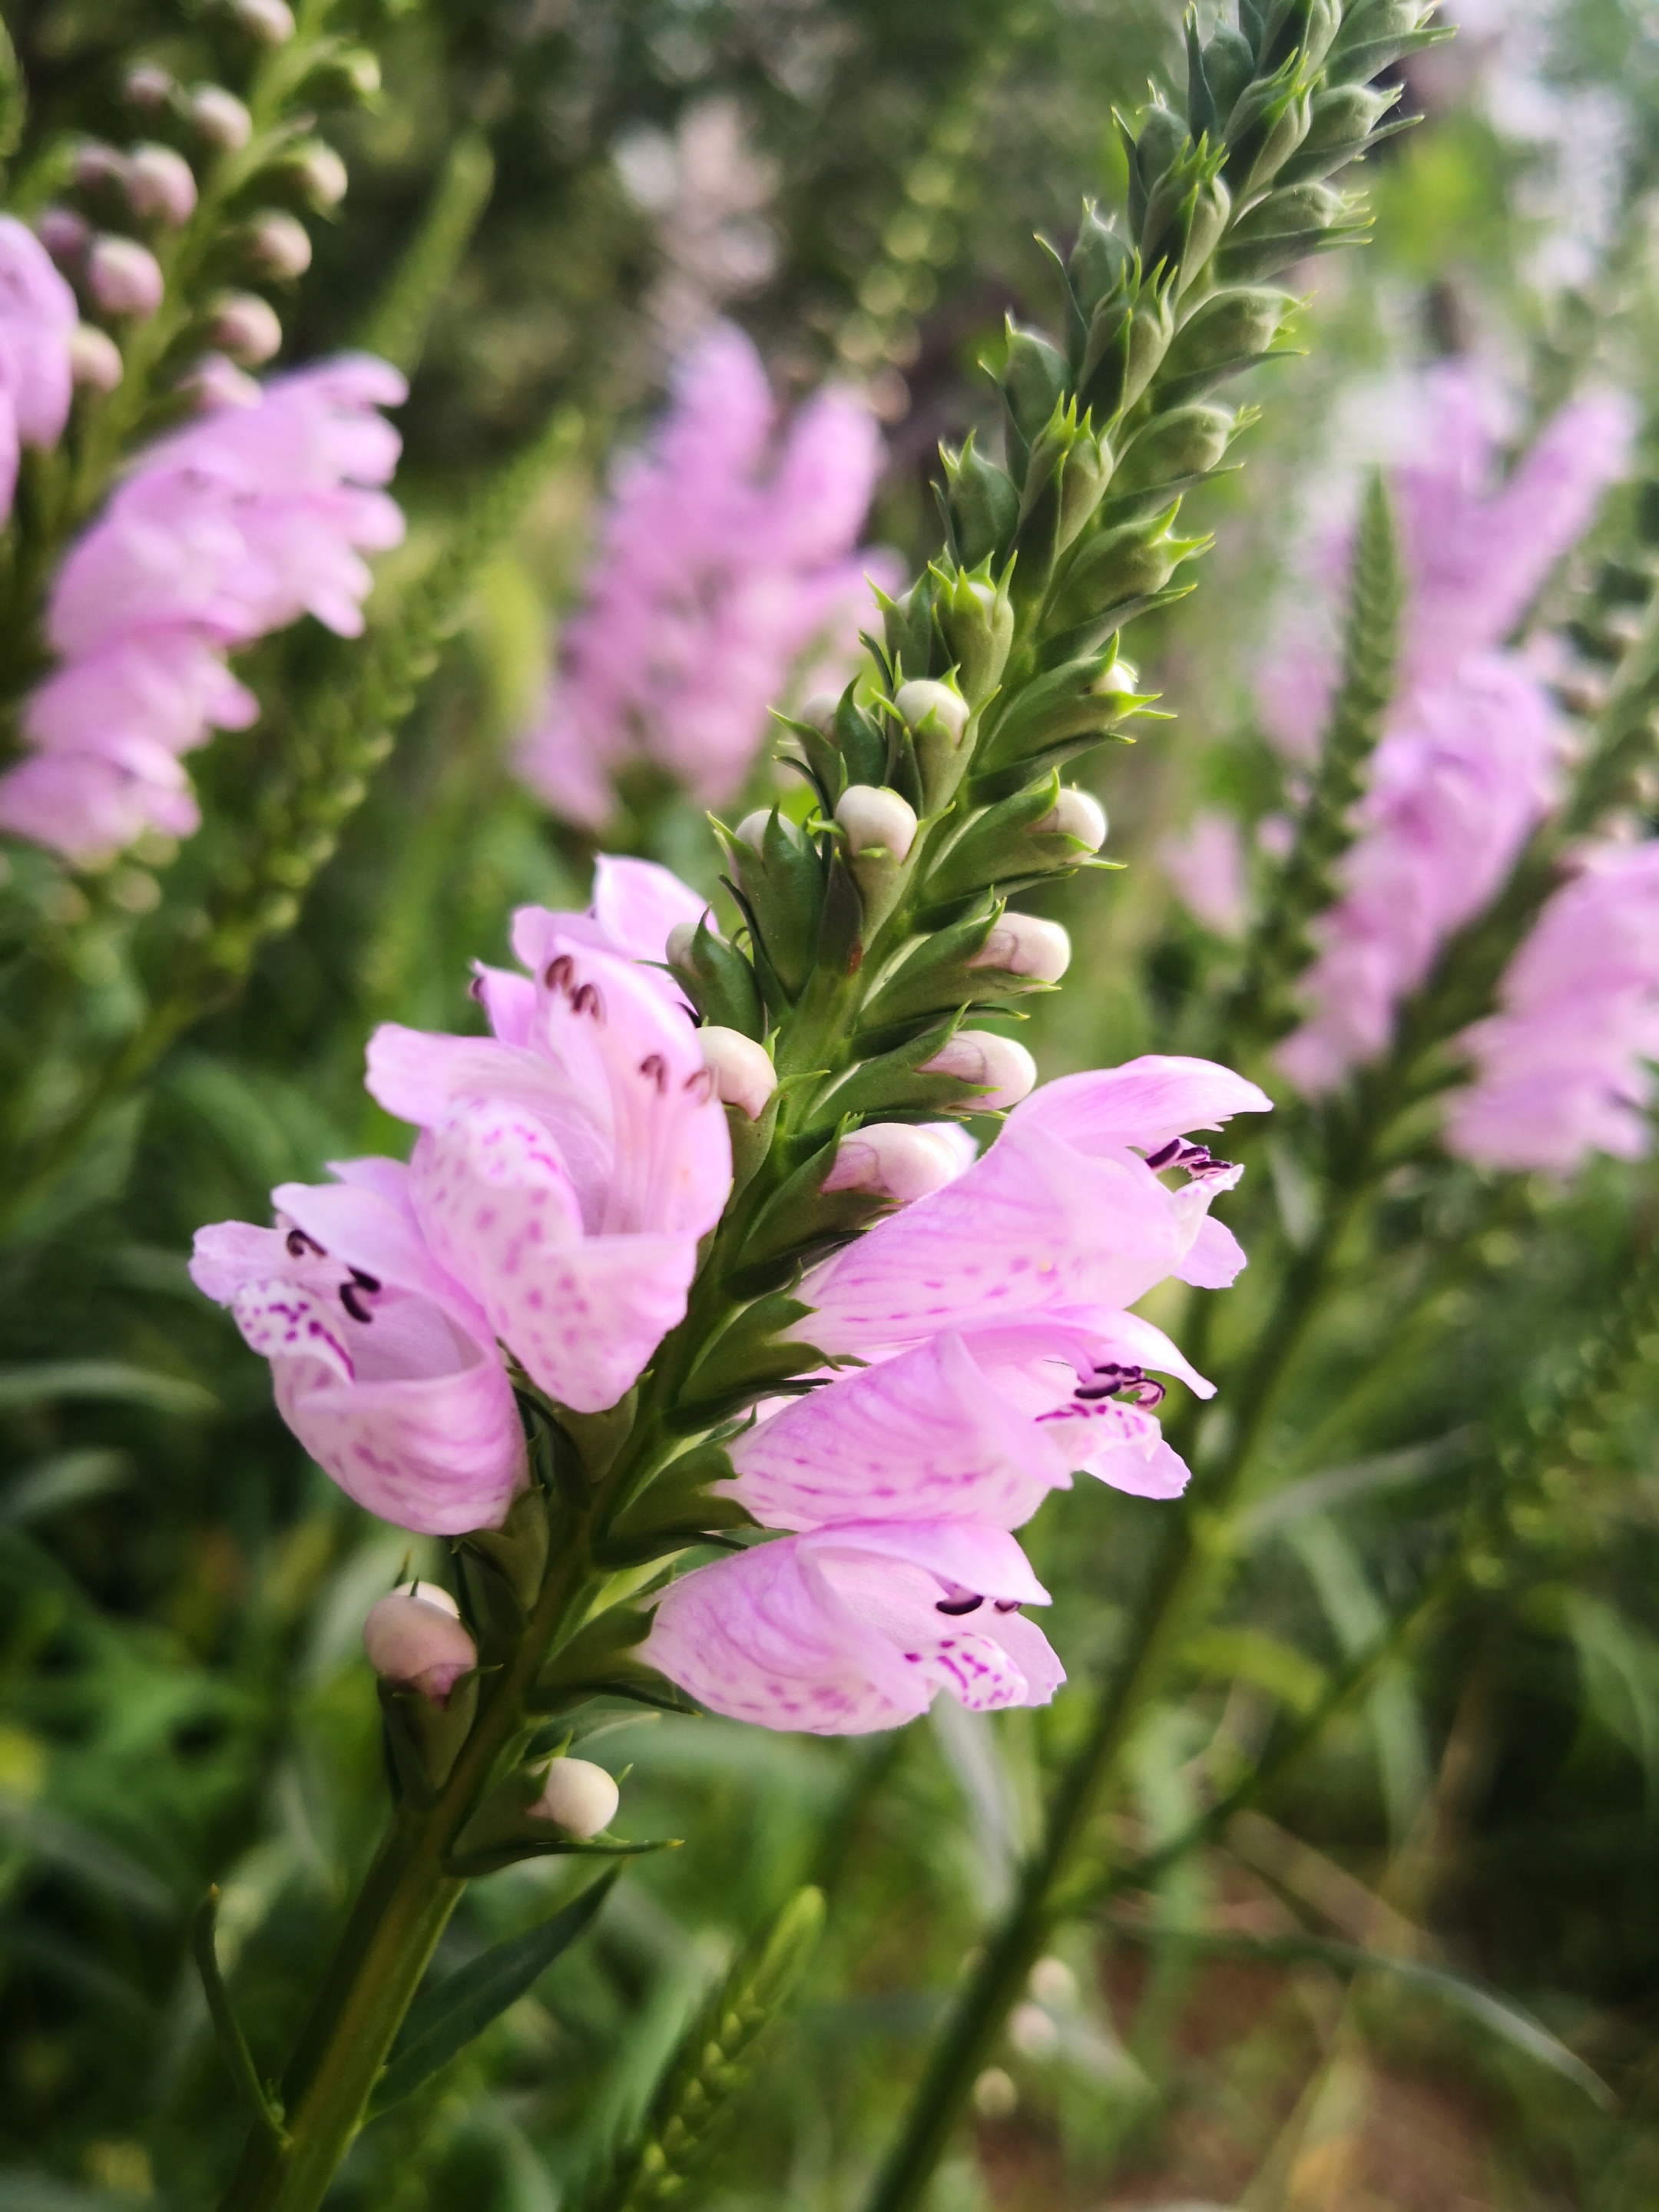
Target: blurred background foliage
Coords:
[(858, 181)]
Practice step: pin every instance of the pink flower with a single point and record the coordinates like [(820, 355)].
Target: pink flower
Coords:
[(1064, 1215), (229, 529), (723, 558), (382, 1364), (1565, 1068), (1470, 762), (569, 1164), (978, 1426), (1206, 866), (37, 317), (852, 1628)]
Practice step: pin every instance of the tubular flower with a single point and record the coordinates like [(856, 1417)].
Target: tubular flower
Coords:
[(1064, 1213), (1002, 1361), (38, 319), (1470, 761), (567, 1165), (383, 1365), (727, 553), (232, 528), (1564, 1068), (855, 1627)]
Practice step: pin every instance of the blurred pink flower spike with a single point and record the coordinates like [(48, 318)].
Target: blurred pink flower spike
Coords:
[(979, 1427), (1064, 1214), (233, 527), (1205, 864), (856, 1627), (1564, 1069), (37, 316), (727, 553), (382, 1364), (1470, 760), (569, 1165)]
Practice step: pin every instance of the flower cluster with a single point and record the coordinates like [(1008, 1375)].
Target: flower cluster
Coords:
[(1563, 1069), (37, 325), (992, 1314), (1470, 758), (723, 559), (567, 1165), (233, 527)]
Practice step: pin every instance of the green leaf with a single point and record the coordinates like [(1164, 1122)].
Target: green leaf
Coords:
[(445, 2020), (55, 1381), (1246, 1654), (397, 326), (262, 2101)]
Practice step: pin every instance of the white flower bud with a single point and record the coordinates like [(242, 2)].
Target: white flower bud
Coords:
[(743, 1070), (65, 234), (321, 172), (921, 698), (216, 383), (147, 87), (681, 938), (995, 2097), (281, 243), (221, 118), (1032, 2033), (247, 327), (360, 71), (580, 1797), (1075, 814), (820, 710), (268, 20), (161, 183), (752, 831), (872, 815), (95, 358), (1006, 1069), (415, 1636), (893, 1159), (1120, 678), (1024, 944), (123, 276)]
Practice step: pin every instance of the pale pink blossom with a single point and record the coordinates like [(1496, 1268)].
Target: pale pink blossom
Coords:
[(567, 1164), (383, 1365), (257, 512), (848, 1629), (1566, 1067), (1205, 864), (725, 553), (1470, 758), (1064, 1214), (37, 316)]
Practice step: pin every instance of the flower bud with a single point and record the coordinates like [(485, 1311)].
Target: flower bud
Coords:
[(161, 183), (65, 234), (220, 117), (876, 818), (893, 1159), (97, 164), (280, 243), (415, 1636), (321, 174), (268, 20), (1002, 1071), (147, 89), (921, 701), (580, 1797), (752, 831), (216, 383), (820, 710), (1122, 680), (124, 277), (247, 327), (743, 1070), (1077, 814), (95, 358), (1025, 944)]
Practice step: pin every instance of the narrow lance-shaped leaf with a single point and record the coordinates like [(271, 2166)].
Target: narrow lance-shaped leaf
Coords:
[(261, 2099), (446, 2019)]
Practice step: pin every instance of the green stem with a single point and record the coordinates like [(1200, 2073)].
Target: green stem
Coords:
[(388, 1941)]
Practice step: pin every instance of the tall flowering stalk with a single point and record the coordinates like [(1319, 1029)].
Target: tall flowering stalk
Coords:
[(725, 554), (648, 1231)]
